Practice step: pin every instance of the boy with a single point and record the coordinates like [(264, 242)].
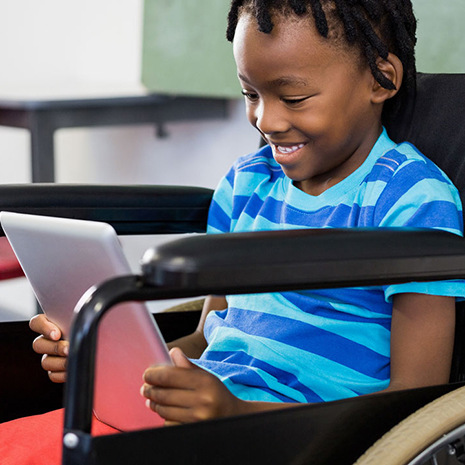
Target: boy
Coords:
[(316, 76)]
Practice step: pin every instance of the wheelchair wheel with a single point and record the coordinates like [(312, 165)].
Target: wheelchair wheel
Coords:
[(433, 435)]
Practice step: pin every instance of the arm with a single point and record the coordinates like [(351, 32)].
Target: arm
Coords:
[(422, 339), (421, 351), (194, 344), (185, 392)]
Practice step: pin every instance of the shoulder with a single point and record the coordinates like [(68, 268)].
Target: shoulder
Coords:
[(250, 173), (413, 172), (405, 159), (261, 161), (413, 191), (252, 170)]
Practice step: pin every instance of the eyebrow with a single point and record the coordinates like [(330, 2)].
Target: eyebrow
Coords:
[(289, 80), (281, 81)]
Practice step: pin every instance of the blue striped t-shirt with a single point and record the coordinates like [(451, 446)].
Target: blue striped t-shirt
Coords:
[(321, 345)]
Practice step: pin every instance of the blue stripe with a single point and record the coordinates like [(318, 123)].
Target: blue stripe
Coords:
[(230, 177), (239, 204), (270, 209), (311, 339), (340, 216), (316, 307), (383, 169), (379, 173), (248, 378), (437, 214), (363, 297), (329, 379), (372, 335), (262, 167), (264, 153), (392, 159), (366, 217), (403, 181), (217, 218), (232, 366), (278, 212)]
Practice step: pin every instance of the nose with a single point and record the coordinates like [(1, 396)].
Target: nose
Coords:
[(270, 118)]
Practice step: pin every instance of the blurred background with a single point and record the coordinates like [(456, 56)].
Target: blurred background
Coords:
[(68, 49), (63, 49)]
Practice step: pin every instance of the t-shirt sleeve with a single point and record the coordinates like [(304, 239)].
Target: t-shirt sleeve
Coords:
[(220, 212), (427, 200)]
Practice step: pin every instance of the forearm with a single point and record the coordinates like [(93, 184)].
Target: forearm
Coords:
[(192, 345)]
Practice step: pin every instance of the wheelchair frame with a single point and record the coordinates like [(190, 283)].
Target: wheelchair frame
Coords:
[(181, 268), (334, 432)]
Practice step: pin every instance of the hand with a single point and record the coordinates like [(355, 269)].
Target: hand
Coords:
[(54, 350), (186, 393)]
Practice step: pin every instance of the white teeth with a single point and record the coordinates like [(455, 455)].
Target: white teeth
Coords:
[(291, 149)]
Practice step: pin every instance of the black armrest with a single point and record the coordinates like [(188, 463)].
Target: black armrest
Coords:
[(129, 209), (304, 259)]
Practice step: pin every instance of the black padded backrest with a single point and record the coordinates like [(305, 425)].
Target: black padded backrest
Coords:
[(434, 121)]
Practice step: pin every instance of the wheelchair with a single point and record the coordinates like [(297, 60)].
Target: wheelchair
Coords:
[(415, 426)]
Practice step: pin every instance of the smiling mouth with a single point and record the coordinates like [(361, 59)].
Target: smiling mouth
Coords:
[(288, 149)]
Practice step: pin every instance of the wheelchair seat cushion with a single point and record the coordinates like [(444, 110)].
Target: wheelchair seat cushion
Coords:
[(36, 440)]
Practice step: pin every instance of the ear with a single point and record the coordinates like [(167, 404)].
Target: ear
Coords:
[(393, 69)]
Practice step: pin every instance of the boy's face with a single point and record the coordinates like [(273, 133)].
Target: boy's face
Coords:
[(309, 99)]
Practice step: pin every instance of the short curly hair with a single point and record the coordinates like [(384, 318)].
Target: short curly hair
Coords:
[(377, 27)]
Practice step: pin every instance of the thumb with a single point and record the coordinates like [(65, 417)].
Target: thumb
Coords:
[(180, 359)]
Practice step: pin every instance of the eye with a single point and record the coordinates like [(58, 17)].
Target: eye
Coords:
[(251, 96), (294, 101)]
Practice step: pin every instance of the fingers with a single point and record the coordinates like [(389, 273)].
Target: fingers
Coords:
[(51, 363), (176, 405), (179, 359), (54, 350), (177, 376), (172, 423), (168, 397), (173, 393), (172, 377), (175, 415), (184, 395), (56, 368), (42, 345), (57, 377), (40, 324)]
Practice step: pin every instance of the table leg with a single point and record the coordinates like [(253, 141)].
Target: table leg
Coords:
[(42, 149)]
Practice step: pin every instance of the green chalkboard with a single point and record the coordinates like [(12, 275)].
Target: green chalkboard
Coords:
[(441, 44), (185, 50)]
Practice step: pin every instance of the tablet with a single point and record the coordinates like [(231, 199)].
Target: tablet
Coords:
[(62, 259)]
